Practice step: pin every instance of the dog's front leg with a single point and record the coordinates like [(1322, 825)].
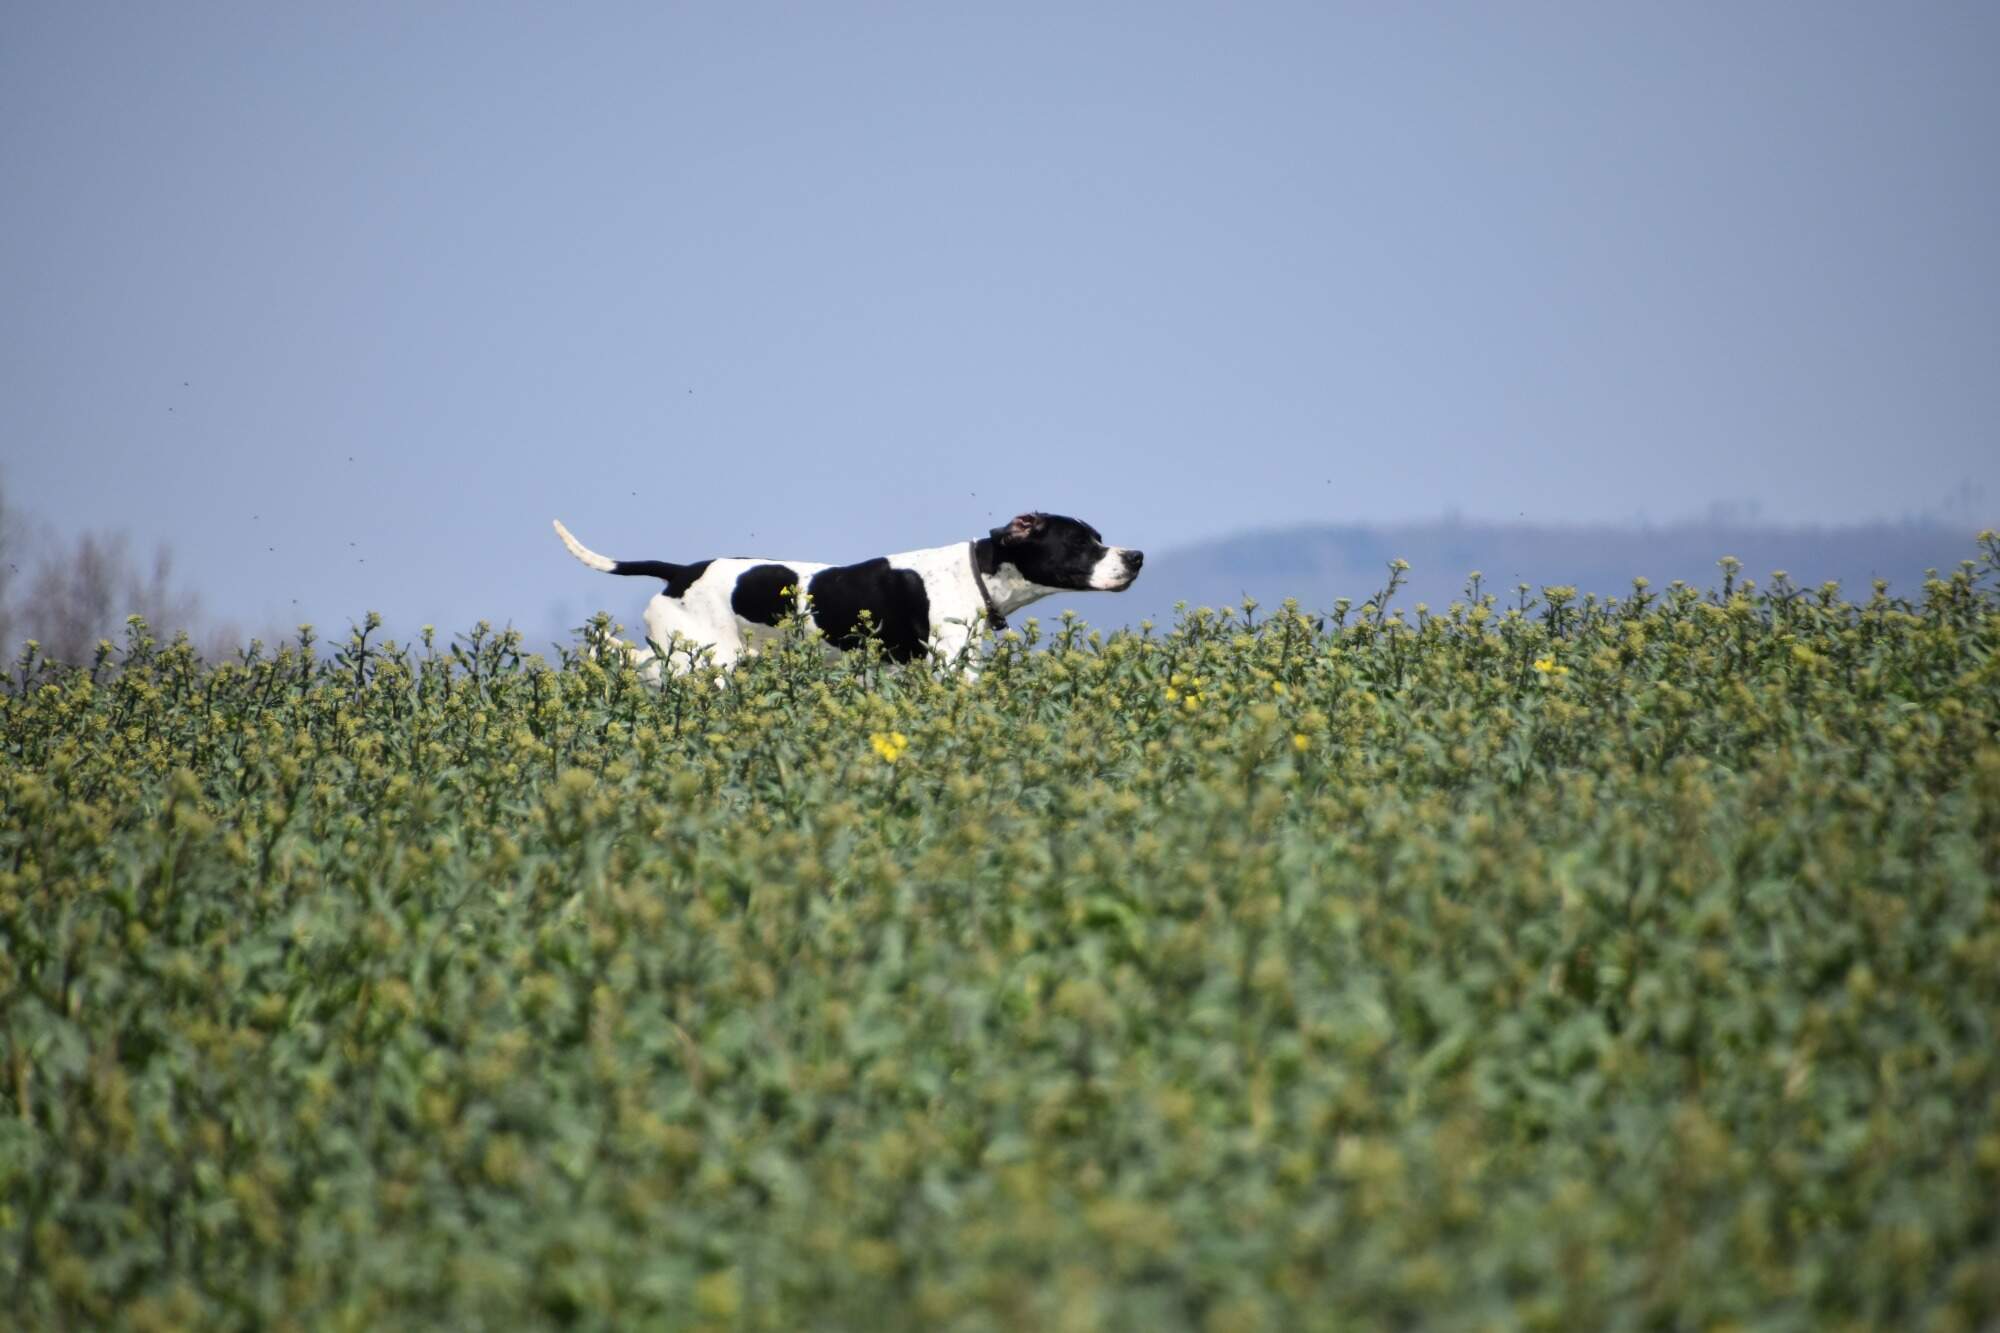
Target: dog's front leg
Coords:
[(955, 648)]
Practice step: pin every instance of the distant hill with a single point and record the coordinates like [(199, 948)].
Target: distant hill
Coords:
[(1320, 562)]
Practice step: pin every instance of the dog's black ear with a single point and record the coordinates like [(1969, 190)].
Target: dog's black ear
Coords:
[(1025, 526)]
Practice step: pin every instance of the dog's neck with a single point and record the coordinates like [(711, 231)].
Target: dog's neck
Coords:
[(1005, 584)]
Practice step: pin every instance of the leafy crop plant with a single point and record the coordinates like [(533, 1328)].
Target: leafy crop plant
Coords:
[(1572, 963)]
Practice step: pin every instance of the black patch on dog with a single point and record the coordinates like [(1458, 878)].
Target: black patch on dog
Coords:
[(1051, 550), (679, 577), (898, 607), (760, 593)]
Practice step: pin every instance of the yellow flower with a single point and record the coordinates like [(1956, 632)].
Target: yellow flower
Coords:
[(1301, 742), (1192, 702), (1547, 666), (1173, 695), (889, 744)]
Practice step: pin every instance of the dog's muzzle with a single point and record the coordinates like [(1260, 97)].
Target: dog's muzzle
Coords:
[(1116, 571)]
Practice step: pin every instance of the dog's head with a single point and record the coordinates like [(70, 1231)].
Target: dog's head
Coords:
[(1065, 554)]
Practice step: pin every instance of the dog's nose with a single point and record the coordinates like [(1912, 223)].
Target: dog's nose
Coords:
[(1134, 559)]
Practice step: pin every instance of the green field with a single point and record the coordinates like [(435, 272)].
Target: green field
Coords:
[(1534, 962)]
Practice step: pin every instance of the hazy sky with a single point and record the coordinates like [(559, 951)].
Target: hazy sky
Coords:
[(347, 301)]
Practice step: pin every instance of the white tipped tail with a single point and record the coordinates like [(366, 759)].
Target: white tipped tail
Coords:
[(584, 553)]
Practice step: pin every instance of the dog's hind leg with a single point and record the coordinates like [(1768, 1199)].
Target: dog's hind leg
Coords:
[(685, 639)]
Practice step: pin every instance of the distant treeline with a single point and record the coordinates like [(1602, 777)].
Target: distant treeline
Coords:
[(68, 593), (1322, 562)]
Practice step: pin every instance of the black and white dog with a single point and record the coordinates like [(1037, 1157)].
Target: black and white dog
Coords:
[(917, 603)]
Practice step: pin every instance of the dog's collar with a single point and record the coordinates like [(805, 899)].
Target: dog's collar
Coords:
[(994, 619)]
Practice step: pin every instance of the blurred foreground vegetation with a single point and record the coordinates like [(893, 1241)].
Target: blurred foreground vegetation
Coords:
[(1560, 964)]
